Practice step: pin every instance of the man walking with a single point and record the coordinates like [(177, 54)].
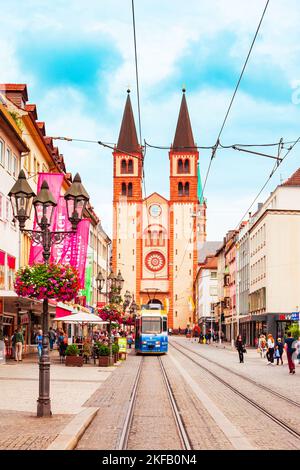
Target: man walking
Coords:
[(290, 349), (19, 344), (52, 338)]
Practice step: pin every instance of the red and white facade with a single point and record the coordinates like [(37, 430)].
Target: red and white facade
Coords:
[(155, 239)]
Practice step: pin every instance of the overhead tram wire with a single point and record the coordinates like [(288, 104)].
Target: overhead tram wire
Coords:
[(275, 168), (215, 148)]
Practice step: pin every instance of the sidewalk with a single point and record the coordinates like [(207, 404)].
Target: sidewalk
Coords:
[(70, 388)]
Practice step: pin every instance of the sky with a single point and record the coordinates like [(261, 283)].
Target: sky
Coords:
[(77, 59)]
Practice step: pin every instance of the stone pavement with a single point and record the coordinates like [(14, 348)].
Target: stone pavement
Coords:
[(254, 367), (70, 388)]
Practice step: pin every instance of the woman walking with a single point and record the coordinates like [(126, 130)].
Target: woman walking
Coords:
[(290, 349), (271, 347), (240, 348), (262, 345)]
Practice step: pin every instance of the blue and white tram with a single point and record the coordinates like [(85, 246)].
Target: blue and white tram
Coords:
[(151, 332)]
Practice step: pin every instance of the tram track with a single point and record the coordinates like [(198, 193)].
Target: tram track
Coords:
[(241, 376), (237, 392), (179, 424)]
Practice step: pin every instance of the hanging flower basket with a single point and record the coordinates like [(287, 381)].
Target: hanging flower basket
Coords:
[(42, 281), (112, 313)]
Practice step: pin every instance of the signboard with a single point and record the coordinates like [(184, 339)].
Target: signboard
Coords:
[(290, 316), (122, 342), (24, 319)]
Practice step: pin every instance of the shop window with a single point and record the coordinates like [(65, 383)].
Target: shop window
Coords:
[(11, 264), (8, 160)]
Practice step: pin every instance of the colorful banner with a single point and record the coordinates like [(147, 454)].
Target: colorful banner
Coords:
[(73, 249), (88, 278), (54, 181)]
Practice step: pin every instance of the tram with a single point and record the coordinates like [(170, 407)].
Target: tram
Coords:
[(151, 331)]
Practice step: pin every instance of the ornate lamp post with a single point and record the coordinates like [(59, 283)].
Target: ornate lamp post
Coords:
[(22, 198), (114, 284)]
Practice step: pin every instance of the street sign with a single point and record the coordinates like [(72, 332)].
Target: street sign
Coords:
[(295, 316)]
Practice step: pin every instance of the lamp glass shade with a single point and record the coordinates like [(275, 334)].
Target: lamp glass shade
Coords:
[(100, 281), (120, 281), (21, 197), (76, 198)]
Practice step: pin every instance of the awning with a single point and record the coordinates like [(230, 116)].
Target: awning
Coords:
[(82, 317)]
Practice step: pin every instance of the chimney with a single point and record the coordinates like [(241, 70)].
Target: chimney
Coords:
[(16, 93), (259, 206)]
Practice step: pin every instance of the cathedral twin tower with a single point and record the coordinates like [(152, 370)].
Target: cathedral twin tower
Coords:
[(155, 240)]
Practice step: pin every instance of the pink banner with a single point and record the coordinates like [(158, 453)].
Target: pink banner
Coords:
[(54, 181), (73, 250)]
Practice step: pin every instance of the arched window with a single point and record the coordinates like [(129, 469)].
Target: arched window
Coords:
[(124, 189), (129, 193), (180, 166), (180, 189), (186, 166), (161, 241), (123, 166), (130, 166), (187, 189)]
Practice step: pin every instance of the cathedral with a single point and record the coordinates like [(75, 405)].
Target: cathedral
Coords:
[(155, 240)]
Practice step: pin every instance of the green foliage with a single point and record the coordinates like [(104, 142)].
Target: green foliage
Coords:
[(115, 348), (103, 350), (72, 350), (294, 329)]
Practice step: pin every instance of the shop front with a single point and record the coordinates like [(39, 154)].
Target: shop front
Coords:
[(284, 321)]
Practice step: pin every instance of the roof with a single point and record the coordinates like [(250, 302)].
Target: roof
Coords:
[(293, 180), (128, 141), (210, 262), (184, 134), (207, 248), (13, 87)]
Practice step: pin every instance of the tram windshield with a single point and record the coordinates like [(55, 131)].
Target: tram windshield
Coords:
[(151, 325)]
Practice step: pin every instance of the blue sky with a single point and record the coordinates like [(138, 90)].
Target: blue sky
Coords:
[(77, 59)]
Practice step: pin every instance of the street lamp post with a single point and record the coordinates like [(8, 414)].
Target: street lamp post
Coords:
[(22, 198), (113, 292)]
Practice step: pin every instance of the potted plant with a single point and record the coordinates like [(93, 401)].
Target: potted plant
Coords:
[(103, 352), (72, 356), (115, 351)]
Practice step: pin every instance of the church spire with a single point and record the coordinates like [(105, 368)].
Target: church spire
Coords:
[(128, 141), (184, 134)]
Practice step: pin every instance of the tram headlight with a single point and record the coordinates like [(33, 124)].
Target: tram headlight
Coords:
[(157, 343), (144, 342)]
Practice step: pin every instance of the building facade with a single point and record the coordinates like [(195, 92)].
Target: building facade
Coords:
[(206, 290), (155, 239)]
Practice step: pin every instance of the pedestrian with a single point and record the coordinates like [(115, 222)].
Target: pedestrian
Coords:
[(279, 351), (262, 346), (239, 344), (129, 340), (52, 338), (290, 349), (270, 351), (39, 342), (62, 344), (19, 344), (13, 345), (298, 350)]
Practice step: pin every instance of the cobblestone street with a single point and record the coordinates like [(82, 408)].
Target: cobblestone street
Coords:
[(213, 415)]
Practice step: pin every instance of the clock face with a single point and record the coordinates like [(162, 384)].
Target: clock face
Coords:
[(155, 210), (155, 261)]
